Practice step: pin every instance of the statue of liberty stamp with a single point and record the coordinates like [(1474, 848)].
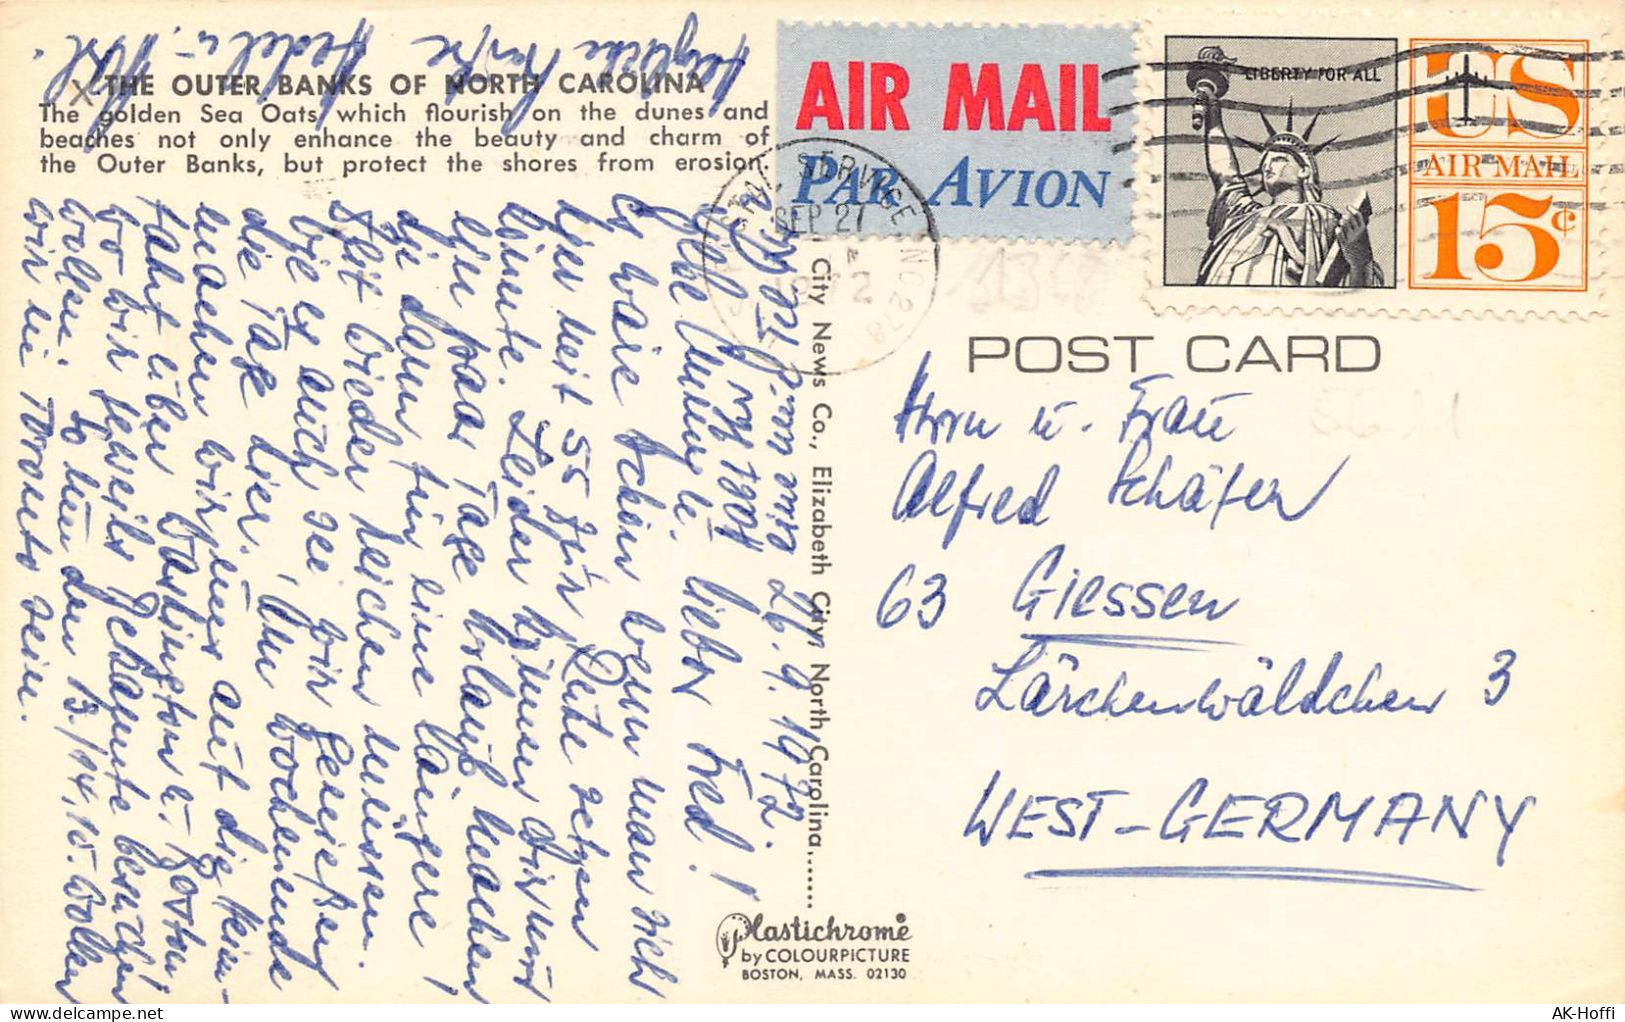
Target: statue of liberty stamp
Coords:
[(1281, 162)]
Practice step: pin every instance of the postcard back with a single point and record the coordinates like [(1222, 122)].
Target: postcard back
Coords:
[(601, 502)]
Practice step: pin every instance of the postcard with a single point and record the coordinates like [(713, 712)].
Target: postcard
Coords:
[(598, 502)]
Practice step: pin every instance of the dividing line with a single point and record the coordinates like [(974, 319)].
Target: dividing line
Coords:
[(1112, 640), (1302, 874)]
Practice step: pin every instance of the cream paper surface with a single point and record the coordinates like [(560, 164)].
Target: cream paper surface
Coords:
[(565, 583)]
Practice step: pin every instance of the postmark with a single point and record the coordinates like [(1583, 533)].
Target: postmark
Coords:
[(855, 303)]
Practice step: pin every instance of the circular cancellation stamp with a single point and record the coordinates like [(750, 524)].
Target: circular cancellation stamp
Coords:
[(861, 243)]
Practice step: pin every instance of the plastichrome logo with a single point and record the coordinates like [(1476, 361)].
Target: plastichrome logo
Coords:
[(736, 929)]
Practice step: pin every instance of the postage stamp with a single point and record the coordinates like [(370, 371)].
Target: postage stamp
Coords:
[(1009, 131), (1500, 164), (1352, 173), (1281, 162)]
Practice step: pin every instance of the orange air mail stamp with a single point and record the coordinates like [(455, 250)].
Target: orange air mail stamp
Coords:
[(1499, 168)]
